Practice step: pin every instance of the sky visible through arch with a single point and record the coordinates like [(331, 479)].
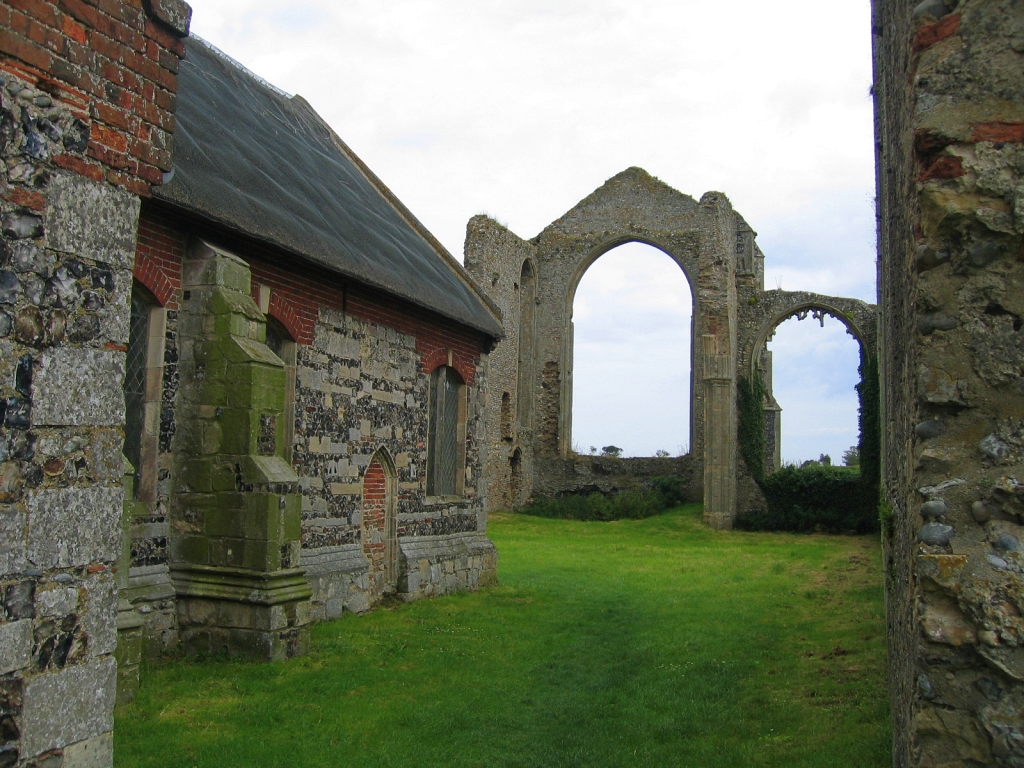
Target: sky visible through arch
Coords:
[(521, 108)]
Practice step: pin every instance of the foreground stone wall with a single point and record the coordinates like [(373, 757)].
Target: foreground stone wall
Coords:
[(72, 165), (949, 95)]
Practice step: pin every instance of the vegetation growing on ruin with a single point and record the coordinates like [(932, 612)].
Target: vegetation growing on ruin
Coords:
[(751, 427), (815, 497), (643, 643), (668, 492)]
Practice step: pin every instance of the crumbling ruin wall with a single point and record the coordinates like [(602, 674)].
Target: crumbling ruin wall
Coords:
[(84, 131), (733, 316), (497, 258), (949, 97), (610, 475)]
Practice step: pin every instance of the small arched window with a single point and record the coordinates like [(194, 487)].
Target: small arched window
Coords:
[(446, 438)]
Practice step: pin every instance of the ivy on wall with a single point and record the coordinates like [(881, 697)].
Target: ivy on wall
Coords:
[(869, 418), (752, 440), (832, 499)]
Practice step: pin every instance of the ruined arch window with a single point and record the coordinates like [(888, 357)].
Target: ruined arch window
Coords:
[(143, 383), (630, 336), (810, 368), (283, 345), (446, 433)]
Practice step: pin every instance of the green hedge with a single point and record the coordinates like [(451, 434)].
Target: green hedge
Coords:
[(629, 505), (814, 498)]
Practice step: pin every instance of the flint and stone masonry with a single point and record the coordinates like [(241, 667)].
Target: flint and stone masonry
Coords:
[(529, 428), (949, 107), (85, 130)]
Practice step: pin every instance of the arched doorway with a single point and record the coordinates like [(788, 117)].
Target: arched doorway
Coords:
[(631, 336), (379, 530)]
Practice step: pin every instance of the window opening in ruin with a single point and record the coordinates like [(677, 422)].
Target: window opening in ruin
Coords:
[(631, 368), (812, 367), (446, 433), (283, 345), (143, 382)]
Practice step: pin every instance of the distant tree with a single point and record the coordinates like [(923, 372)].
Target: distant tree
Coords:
[(593, 450), (825, 460), (661, 453), (851, 456), (611, 450)]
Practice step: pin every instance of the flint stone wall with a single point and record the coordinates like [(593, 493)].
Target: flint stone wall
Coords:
[(361, 387), (949, 98), (63, 323)]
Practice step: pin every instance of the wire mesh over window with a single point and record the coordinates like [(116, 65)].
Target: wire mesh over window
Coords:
[(276, 338), (442, 440), (135, 377)]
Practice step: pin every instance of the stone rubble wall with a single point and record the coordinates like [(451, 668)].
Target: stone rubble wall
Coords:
[(949, 96), (85, 129), (732, 317), (495, 258), (360, 388), (611, 476)]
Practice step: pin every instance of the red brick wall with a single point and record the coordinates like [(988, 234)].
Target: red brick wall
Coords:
[(297, 293), (113, 67), (158, 256), (374, 511)]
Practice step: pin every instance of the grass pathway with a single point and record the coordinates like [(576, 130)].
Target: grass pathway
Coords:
[(635, 643)]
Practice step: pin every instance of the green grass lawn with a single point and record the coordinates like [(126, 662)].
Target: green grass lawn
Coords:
[(635, 643)]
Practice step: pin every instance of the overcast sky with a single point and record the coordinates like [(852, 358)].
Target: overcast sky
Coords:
[(519, 109)]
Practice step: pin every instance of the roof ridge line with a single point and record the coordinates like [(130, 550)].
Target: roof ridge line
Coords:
[(240, 66)]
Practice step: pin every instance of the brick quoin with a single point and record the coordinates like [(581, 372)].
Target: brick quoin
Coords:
[(930, 34), (998, 131), (946, 167)]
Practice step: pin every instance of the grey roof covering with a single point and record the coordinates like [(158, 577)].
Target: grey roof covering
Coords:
[(251, 158)]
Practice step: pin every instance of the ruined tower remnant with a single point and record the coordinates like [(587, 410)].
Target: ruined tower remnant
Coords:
[(534, 282)]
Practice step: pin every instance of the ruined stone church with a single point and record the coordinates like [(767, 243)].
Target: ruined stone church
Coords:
[(244, 389)]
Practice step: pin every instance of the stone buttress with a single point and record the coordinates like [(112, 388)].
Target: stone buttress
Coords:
[(236, 513)]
